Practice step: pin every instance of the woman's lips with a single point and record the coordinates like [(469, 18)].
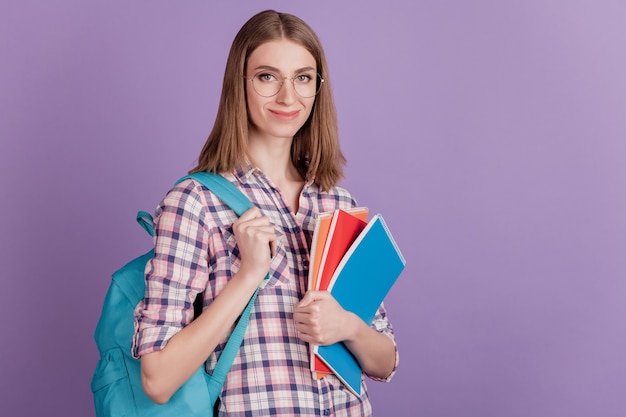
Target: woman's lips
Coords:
[(285, 115)]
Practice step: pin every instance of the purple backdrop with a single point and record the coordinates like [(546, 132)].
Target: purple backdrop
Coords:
[(490, 134)]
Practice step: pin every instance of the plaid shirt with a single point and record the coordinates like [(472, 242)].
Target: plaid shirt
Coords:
[(195, 251)]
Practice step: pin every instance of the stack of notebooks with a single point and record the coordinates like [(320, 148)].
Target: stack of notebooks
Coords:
[(358, 262)]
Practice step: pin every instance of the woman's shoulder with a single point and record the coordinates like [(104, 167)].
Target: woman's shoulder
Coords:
[(184, 192), (192, 197)]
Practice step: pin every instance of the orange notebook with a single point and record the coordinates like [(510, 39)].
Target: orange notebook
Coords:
[(320, 233), (332, 237)]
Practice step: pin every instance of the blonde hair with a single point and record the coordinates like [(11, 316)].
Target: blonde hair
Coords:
[(315, 150)]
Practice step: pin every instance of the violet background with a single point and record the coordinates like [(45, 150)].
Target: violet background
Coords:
[(490, 134)]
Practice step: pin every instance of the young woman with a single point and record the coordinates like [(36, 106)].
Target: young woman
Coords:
[(275, 137)]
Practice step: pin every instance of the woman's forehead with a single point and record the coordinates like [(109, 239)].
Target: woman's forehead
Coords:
[(283, 54)]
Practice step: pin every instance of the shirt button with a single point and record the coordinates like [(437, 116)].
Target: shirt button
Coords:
[(327, 412)]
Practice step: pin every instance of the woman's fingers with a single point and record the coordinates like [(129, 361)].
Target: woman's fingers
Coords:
[(256, 238)]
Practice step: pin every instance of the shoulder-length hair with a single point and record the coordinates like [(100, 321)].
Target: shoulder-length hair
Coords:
[(315, 149)]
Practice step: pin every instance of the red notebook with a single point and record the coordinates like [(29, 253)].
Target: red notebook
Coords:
[(344, 228)]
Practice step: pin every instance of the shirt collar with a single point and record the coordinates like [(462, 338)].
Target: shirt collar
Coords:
[(244, 171)]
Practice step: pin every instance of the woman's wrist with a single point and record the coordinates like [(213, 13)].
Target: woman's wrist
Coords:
[(252, 276), (353, 327)]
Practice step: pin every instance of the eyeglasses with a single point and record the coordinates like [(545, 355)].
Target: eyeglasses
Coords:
[(268, 84)]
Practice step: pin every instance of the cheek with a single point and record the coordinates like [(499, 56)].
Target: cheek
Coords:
[(309, 110), (254, 109)]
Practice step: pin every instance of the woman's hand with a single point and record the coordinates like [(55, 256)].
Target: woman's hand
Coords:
[(256, 240), (320, 319)]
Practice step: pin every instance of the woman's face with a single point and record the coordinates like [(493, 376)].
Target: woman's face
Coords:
[(283, 114)]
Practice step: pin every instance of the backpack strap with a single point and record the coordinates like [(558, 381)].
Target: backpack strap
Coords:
[(239, 203), (146, 221)]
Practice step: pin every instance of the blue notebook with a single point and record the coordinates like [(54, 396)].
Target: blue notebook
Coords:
[(360, 283)]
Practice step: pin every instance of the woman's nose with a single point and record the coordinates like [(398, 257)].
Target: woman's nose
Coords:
[(287, 93)]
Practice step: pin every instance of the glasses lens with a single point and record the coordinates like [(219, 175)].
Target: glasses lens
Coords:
[(265, 84), (307, 85)]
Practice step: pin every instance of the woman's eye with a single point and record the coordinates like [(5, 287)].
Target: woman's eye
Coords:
[(303, 78), (266, 77)]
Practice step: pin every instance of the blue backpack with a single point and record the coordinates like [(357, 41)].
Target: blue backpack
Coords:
[(116, 383)]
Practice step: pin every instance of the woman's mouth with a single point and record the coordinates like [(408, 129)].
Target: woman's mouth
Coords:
[(285, 115)]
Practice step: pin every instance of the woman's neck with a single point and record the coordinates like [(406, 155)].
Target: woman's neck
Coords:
[(273, 157)]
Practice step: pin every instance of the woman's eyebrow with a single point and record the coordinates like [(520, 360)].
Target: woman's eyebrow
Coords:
[(274, 69)]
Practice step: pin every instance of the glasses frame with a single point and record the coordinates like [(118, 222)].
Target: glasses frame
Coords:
[(282, 82)]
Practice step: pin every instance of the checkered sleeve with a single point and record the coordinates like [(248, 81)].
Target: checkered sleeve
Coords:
[(178, 271), (381, 324)]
